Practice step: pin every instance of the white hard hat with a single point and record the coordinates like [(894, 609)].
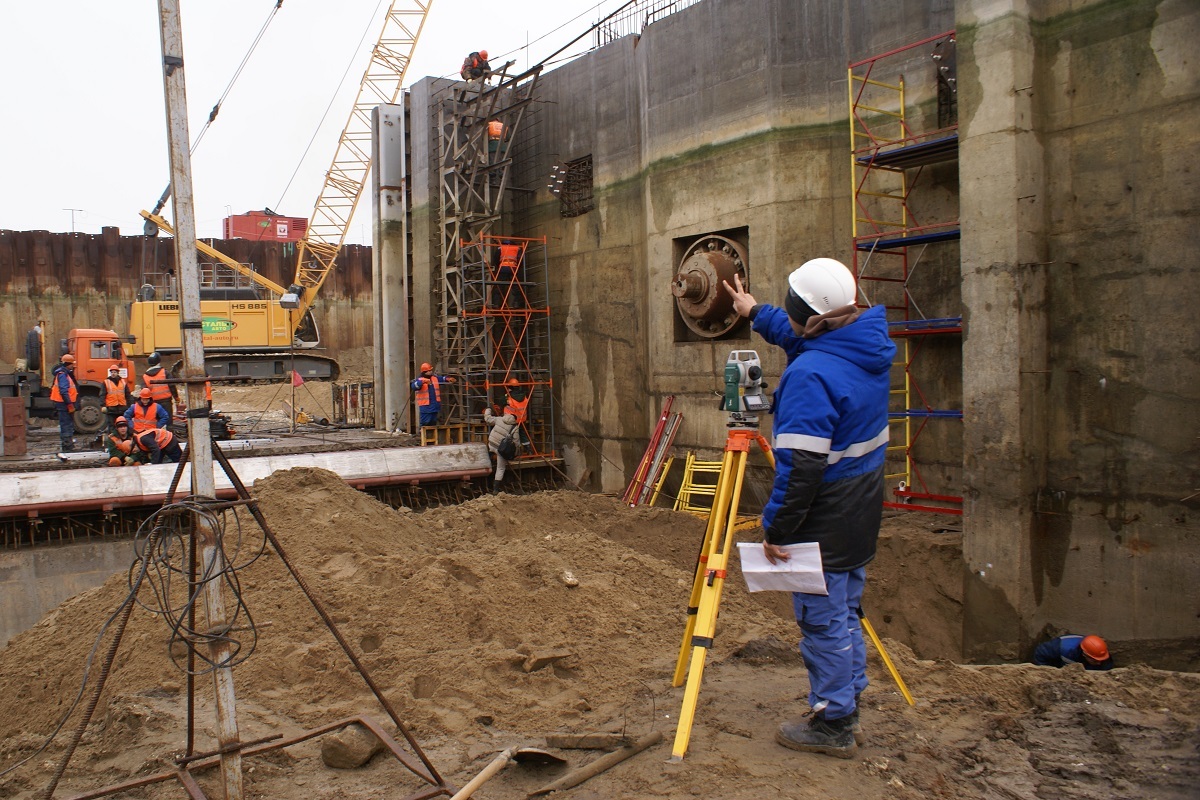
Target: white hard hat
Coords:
[(823, 283)]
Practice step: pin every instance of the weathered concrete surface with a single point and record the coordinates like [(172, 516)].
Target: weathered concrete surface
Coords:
[(724, 116), (76, 280), (1079, 202), (1078, 374), (33, 582)]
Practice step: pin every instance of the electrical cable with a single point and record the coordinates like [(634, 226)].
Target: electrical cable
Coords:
[(216, 109)]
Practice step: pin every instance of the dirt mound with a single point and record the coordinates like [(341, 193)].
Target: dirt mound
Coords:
[(494, 622)]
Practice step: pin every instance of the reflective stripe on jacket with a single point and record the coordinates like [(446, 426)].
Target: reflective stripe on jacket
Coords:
[(114, 393), (160, 435), (146, 418), (509, 254), (64, 381), (155, 380), (429, 391)]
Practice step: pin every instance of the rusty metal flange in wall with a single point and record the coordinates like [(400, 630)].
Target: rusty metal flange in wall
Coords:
[(704, 305)]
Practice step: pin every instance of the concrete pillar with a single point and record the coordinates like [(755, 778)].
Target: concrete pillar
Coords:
[(390, 268), (1003, 290)]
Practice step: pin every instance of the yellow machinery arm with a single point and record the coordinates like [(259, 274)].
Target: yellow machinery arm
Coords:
[(234, 265), (381, 83)]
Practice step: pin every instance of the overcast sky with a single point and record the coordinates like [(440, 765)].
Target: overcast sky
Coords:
[(84, 120)]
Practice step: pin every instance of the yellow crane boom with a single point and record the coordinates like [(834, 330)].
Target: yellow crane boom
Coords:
[(381, 83)]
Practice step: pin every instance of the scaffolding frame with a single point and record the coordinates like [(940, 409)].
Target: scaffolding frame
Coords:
[(493, 324), (887, 157)]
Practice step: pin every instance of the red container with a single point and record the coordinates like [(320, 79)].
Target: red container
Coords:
[(264, 226)]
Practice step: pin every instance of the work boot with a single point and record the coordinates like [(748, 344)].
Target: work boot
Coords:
[(818, 735), (68, 445)]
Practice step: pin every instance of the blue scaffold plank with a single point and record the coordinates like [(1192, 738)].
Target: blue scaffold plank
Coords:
[(910, 156), (898, 242)]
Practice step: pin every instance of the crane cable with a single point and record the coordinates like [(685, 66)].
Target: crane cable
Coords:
[(216, 109), (342, 82)]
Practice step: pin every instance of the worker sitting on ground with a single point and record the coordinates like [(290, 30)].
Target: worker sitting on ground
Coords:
[(116, 395), (65, 393), (145, 414), (122, 449), (516, 402), (429, 394), (155, 379), (502, 440), (476, 67), (160, 445), (1091, 651)]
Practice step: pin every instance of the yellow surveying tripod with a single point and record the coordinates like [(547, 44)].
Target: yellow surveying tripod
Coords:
[(743, 399)]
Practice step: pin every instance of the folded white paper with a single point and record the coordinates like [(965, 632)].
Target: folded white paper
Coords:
[(800, 573)]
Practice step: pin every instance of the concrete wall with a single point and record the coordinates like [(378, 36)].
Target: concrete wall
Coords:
[(1077, 374), (76, 280), (1079, 203), (723, 116), (33, 582)]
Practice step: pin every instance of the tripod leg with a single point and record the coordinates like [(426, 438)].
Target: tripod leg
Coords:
[(710, 598), (717, 518), (886, 660)]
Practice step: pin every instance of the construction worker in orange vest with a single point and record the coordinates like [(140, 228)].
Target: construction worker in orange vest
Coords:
[(155, 379), (159, 444), (516, 402), (116, 395), (122, 449), (65, 393), (429, 394), (145, 414), (507, 291)]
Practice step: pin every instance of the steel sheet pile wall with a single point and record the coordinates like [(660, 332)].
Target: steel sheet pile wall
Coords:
[(74, 280)]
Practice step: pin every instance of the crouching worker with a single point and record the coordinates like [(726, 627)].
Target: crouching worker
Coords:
[(122, 449), (1091, 651), (159, 444), (502, 440)]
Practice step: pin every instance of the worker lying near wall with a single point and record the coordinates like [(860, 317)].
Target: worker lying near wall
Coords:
[(1091, 651)]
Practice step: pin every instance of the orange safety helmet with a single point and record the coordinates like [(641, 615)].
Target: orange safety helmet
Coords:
[(1094, 648), (68, 359), (121, 422), (426, 367), (144, 394), (512, 382), (483, 54)]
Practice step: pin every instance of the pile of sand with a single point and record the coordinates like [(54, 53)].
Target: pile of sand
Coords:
[(493, 622)]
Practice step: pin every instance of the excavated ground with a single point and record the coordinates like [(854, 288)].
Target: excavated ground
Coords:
[(448, 608)]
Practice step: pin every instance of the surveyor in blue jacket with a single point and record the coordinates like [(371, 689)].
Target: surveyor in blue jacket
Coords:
[(831, 435)]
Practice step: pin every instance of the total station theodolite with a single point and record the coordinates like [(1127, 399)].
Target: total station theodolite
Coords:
[(744, 384)]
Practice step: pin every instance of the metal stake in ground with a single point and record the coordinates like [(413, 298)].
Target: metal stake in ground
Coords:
[(203, 484)]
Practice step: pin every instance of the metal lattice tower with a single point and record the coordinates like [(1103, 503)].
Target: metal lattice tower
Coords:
[(492, 324)]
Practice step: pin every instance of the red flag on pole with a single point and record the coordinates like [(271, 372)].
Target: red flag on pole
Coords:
[(296, 379)]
